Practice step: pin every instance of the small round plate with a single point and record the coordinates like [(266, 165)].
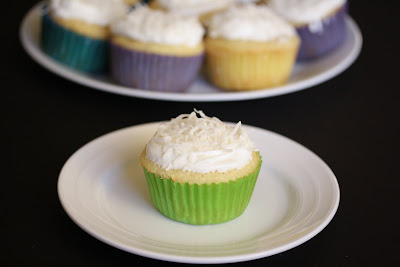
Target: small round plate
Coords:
[(304, 75), (103, 190)]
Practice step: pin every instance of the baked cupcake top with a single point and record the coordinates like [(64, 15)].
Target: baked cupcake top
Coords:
[(305, 11), (249, 23), (99, 12), (200, 144), (193, 7), (154, 26)]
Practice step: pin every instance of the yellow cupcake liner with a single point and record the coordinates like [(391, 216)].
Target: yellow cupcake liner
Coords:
[(249, 66), (201, 204)]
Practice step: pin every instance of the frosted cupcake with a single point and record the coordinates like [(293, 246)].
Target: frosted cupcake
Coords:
[(201, 8), (248, 47), (200, 170), (76, 32), (157, 51), (320, 24)]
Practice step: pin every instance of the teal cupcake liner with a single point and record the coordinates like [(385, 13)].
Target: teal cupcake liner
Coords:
[(201, 204), (72, 49)]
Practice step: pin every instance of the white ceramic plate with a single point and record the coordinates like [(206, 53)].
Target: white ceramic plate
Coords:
[(103, 190), (304, 75)]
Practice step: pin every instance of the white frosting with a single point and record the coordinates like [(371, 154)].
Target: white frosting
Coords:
[(250, 23), (305, 11), (101, 12), (202, 145), (155, 26), (194, 7)]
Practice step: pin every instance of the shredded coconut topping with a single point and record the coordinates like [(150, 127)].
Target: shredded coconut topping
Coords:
[(200, 144)]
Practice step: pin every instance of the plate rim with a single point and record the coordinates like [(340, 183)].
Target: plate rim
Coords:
[(45, 61), (329, 214)]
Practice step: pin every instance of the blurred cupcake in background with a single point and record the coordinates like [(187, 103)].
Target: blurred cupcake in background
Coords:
[(76, 32), (155, 50), (248, 47), (201, 8), (320, 24)]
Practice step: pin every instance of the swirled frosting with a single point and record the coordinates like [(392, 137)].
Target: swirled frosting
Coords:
[(200, 144), (155, 26), (193, 7), (101, 12), (304, 11), (250, 23)]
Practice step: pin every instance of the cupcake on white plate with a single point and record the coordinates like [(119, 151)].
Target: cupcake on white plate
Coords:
[(200, 170), (76, 32), (320, 24), (156, 50)]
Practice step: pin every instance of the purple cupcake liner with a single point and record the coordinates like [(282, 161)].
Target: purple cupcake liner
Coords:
[(153, 72), (329, 35)]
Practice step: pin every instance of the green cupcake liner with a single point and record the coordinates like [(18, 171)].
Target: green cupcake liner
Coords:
[(72, 49), (201, 204)]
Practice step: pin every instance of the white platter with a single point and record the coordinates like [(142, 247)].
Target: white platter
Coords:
[(304, 75), (103, 190)]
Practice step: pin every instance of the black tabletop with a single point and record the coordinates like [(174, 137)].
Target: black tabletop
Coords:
[(350, 121)]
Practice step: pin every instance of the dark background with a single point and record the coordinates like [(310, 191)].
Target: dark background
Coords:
[(350, 121)]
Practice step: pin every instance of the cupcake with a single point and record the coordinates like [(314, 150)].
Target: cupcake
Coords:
[(248, 47), (76, 32), (320, 24), (200, 170), (157, 51), (201, 8)]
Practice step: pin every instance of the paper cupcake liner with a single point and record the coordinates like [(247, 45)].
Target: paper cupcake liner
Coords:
[(153, 72), (232, 70), (317, 43), (201, 204), (73, 49)]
